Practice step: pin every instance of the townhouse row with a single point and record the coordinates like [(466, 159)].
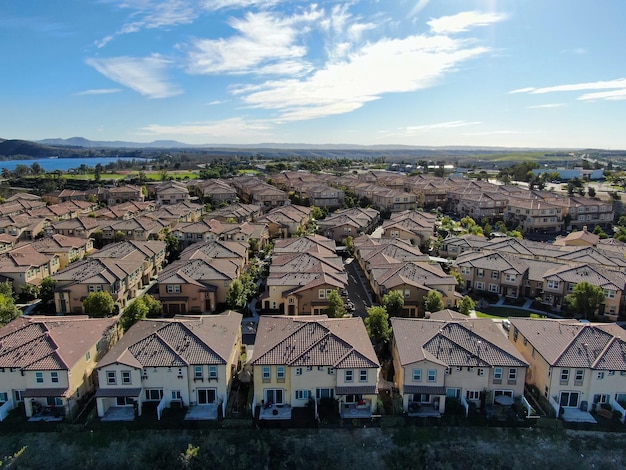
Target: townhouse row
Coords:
[(301, 364)]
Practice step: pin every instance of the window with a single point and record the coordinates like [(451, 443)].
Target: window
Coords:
[(580, 375), (111, 377), (459, 368), (309, 368), (609, 294), (212, 372), (466, 270), (512, 374), (176, 395), (481, 372), (324, 393), (348, 376), (493, 288), (453, 392), (303, 394), (432, 375), (363, 375), (330, 371), (553, 284), (154, 394), (480, 272), (39, 377), (472, 395), (266, 373), (88, 356), (299, 371), (407, 293), (173, 289), (564, 375), (322, 293), (197, 372), (280, 373), (601, 375), (4, 397), (510, 277), (480, 285), (497, 373), (495, 274), (54, 377), (126, 377)]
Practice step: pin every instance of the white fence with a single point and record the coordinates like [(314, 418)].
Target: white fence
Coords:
[(616, 407), (164, 403), (465, 405), (556, 406), (5, 408), (525, 404)]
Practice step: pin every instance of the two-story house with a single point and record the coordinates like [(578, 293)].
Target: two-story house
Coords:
[(456, 357), (297, 361), (189, 361), (46, 363), (576, 366)]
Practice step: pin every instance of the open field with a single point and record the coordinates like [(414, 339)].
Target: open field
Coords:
[(376, 448), (150, 175)]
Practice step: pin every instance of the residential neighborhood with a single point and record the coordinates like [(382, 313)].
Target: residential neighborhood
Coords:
[(264, 301)]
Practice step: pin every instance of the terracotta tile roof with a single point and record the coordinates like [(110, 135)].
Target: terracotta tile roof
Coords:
[(44, 343), (471, 343), (206, 339), (314, 341), (568, 343)]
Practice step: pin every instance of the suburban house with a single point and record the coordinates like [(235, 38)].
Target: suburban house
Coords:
[(125, 210), (56, 197), (577, 366), (300, 361), (286, 221), (178, 212), (46, 363), (120, 194), (237, 212), (492, 272), (25, 265), (417, 227), (535, 215), (157, 362), (578, 238), (216, 191), (122, 269), (213, 229), (83, 227), (171, 192), (68, 249), (452, 356), (252, 190), (349, 223), (138, 228)]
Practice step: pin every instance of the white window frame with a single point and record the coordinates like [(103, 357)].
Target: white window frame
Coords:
[(432, 375), (303, 394), (54, 377), (417, 375), (111, 377), (348, 376), (266, 372), (363, 375)]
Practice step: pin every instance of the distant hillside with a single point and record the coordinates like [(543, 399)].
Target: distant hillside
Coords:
[(82, 142), (9, 148)]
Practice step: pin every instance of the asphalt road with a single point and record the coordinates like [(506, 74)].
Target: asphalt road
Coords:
[(356, 292)]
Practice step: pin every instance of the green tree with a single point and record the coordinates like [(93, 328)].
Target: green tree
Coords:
[(236, 295), (466, 305), (8, 310), (155, 307), (172, 246), (591, 191), (334, 305), (6, 289), (433, 301), (99, 304), (377, 324), (394, 303), (46, 290), (585, 299), (137, 310), (29, 292)]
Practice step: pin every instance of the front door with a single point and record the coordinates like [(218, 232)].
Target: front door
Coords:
[(569, 399), (206, 396), (274, 396)]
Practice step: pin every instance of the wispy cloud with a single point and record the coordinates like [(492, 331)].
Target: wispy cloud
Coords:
[(145, 75), (390, 65), (617, 87), (419, 6), (98, 91), (441, 125), (464, 21), (226, 129), (500, 132), (545, 106), (153, 14), (575, 51), (264, 43)]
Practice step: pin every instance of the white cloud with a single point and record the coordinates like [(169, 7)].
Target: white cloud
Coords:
[(575, 51), (263, 44), (387, 66), (98, 91), (226, 129), (522, 90), (464, 21), (145, 75), (613, 95), (545, 106), (501, 132)]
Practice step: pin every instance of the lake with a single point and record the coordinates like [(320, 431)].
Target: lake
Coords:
[(63, 164)]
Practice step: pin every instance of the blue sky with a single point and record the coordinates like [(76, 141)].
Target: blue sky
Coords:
[(521, 73)]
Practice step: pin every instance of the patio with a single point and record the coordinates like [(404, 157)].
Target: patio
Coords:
[(423, 410), (119, 413), (353, 410), (275, 412), (575, 415), (202, 413)]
